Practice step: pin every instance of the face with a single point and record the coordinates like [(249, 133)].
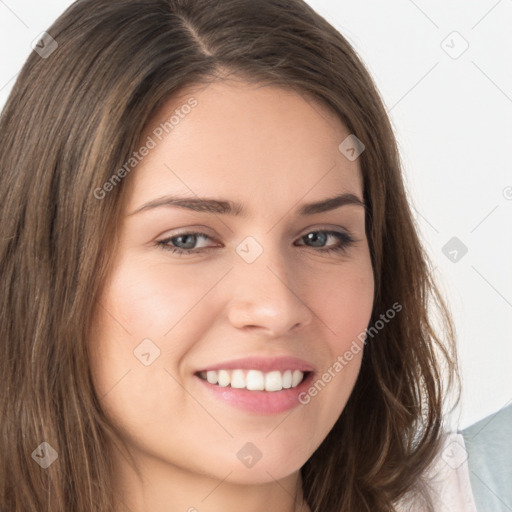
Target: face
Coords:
[(259, 296)]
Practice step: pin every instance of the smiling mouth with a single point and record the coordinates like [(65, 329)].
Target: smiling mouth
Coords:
[(254, 380)]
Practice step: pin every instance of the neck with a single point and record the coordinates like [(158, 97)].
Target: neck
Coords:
[(160, 487)]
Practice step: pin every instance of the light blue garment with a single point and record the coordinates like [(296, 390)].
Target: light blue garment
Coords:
[(489, 447)]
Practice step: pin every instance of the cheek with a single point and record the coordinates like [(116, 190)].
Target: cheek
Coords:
[(142, 302), (150, 299), (343, 300)]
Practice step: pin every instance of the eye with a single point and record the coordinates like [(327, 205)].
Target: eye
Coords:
[(186, 243), (320, 237)]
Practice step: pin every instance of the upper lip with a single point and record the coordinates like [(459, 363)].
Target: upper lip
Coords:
[(264, 364)]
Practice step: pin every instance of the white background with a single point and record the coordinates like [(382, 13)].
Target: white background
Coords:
[(453, 120)]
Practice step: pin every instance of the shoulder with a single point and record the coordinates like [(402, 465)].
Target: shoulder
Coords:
[(489, 446), (446, 481)]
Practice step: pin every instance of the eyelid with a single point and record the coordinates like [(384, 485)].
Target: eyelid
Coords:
[(188, 230), (345, 241), (323, 227), (196, 233), (203, 230)]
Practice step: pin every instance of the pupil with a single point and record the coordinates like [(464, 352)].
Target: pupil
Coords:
[(315, 236), (192, 237)]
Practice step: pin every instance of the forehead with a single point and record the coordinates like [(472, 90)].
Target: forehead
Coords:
[(260, 144)]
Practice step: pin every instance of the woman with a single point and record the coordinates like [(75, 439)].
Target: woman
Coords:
[(214, 293)]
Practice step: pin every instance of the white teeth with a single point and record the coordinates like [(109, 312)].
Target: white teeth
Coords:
[(254, 380), (238, 379), (287, 379), (273, 381), (211, 377), (224, 378), (296, 378)]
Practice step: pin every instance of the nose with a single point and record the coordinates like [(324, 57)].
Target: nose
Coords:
[(268, 296)]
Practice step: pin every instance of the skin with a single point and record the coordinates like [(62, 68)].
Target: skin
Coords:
[(272, 150)]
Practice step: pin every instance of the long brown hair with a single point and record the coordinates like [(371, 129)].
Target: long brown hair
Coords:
[(72, 119)]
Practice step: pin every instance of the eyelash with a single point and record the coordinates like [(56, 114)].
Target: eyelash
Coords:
[(345, 239)]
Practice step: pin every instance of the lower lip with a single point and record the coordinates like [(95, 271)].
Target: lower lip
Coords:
[(260, 402)]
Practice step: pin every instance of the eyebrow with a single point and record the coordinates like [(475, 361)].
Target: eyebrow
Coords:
[(226, 207)]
